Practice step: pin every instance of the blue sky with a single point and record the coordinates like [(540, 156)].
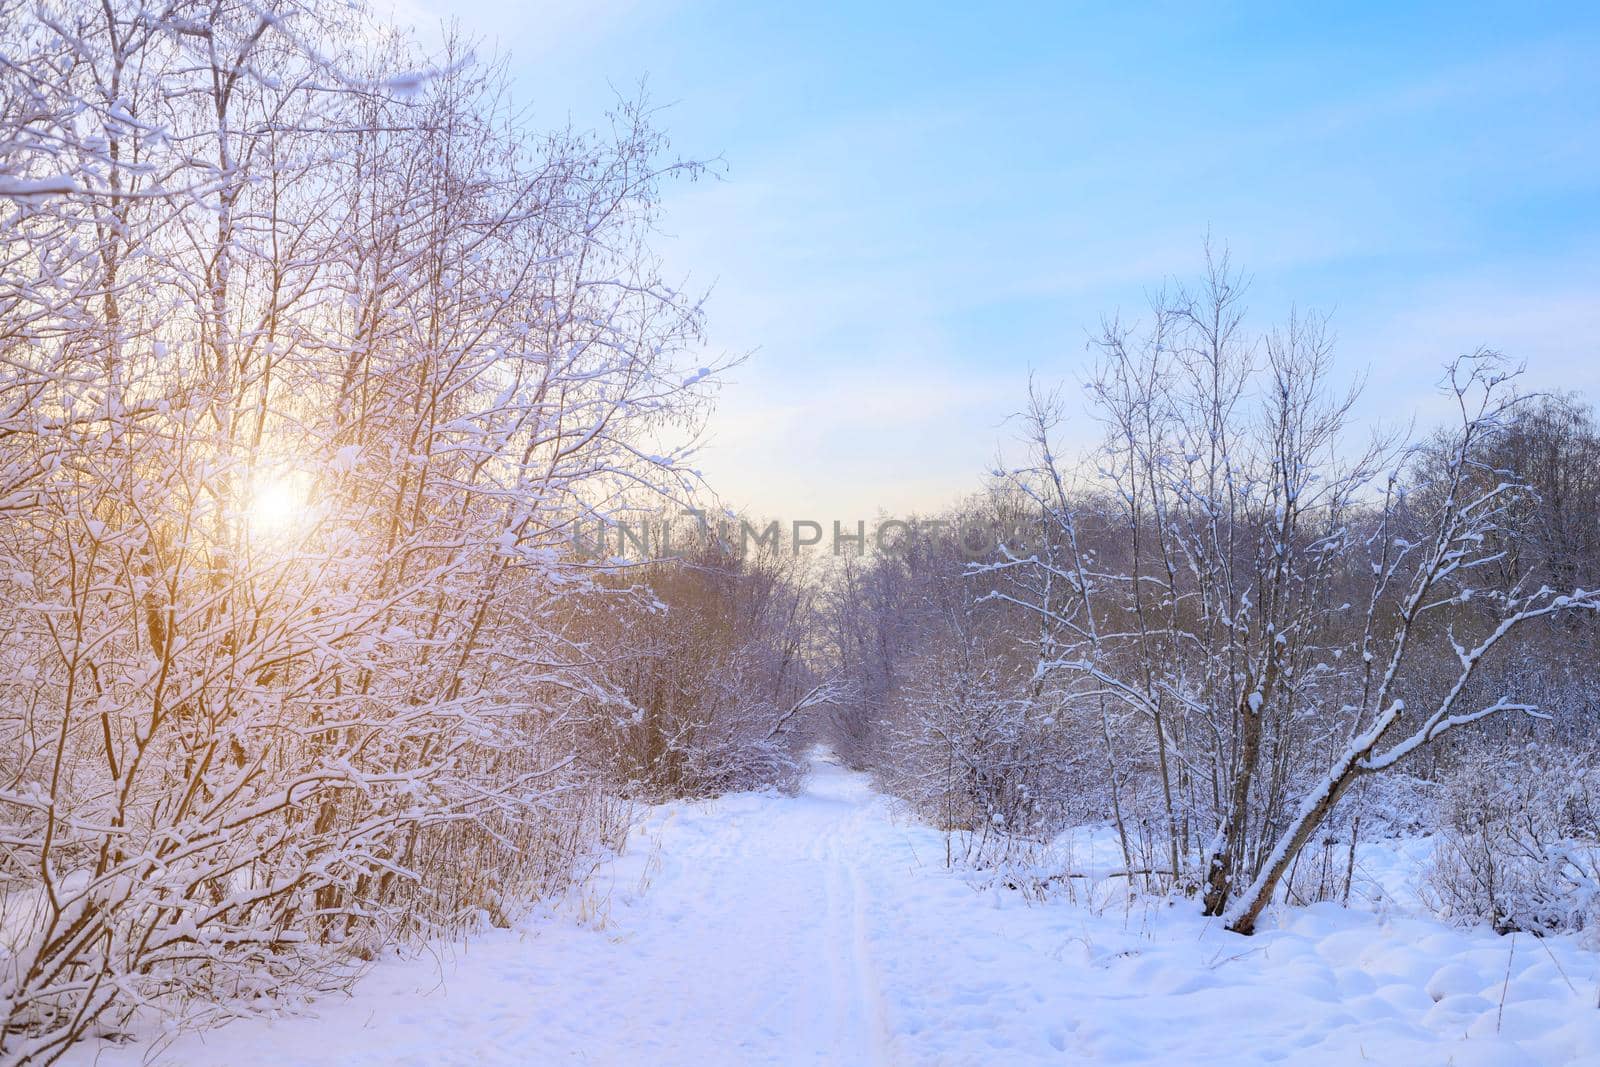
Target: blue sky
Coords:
[(919, 203)]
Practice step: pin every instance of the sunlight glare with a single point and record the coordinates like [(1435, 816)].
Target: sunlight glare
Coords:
[(278, 505)]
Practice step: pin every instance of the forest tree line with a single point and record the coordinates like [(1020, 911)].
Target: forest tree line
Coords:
[(1246, 627)]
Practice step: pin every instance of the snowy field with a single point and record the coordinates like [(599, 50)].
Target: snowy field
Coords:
[(820, 929)]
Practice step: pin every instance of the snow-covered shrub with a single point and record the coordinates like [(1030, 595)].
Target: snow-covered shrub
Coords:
[(1519, 842), (709, 687), (307, 368), (963, 739)]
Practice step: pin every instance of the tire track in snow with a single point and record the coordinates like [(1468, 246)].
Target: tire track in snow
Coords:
[(866, 972), (839, 1018), (857, 978)]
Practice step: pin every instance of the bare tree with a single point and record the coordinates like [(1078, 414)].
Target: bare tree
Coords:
[(1207, 578)]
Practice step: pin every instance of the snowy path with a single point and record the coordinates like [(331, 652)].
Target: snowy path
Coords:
[(819, 930)]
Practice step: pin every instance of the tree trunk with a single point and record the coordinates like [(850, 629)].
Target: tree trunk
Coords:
[(1241, 918)]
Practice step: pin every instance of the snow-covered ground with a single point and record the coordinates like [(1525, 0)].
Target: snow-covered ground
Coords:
[(819, 929)]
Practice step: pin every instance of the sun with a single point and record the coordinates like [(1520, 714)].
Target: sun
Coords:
[(279, 505)]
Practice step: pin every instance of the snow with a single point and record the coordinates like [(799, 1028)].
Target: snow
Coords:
[(823, 929), (31, 188)]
